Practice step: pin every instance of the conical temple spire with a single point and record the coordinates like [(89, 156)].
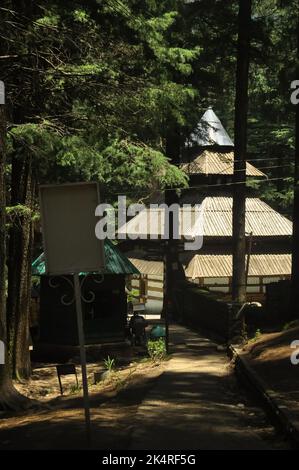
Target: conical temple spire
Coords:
[(210, 131)]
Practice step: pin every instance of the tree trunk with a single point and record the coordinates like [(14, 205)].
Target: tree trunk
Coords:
[(14, 321), (295, 252), (173, 270), (4, 370), (9, 397), (19, 266), (239, 192), (20, 234)]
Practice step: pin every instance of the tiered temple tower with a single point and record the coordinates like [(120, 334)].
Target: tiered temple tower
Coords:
[(210, 166)]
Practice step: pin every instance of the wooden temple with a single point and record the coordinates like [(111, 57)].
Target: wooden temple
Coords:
[(209, 162)]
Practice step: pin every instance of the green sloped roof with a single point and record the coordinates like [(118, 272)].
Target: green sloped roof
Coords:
[(116, 262)]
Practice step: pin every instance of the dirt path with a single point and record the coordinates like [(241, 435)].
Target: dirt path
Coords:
[(59, 423), (196, 404), (191, 401)]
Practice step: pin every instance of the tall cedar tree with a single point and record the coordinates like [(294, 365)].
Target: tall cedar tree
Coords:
[(295, 257), (239, 193), (74, 81), (20, 237), (9, 397)]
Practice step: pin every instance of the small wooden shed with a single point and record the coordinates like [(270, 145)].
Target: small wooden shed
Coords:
[(104, 302)]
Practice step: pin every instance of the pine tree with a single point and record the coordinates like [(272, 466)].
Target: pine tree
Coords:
[(239, 195)]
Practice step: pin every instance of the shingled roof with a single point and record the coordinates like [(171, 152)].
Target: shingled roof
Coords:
[(261, 219), (216, 163), (216, 219), (210, 132), (214, 150), (221, 265)]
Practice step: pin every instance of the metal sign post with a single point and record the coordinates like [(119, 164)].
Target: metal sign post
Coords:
[(77, 291), (71, 247)]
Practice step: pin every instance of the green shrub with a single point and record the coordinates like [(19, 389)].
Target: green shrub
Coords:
[(75, 389), (109, 364), (156, 349), (256, 336), (132, 295)]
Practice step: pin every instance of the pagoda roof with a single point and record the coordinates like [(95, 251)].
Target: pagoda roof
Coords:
[(221, 265), (215, 220), (210, 132), (216, 163)]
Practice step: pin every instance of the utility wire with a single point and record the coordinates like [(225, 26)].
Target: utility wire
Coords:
[(263, 159), (260, 168), (124, 193)]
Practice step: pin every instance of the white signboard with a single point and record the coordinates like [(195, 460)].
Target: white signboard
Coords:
[(68, 224)]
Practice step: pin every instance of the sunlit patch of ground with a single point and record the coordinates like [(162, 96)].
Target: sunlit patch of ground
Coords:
[(270, 355), (59, 422)]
